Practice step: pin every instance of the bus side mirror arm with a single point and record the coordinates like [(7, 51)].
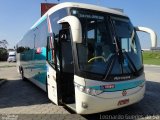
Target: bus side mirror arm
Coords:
[(76, 30), (152, 35)]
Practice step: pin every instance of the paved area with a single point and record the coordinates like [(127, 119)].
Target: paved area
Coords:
[(152, 73), (23, 100), (27, 100)]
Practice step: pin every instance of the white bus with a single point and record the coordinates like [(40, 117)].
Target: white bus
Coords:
[(86, 57), (11, 56)]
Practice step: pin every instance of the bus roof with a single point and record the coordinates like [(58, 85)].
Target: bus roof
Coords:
[(78, 5)]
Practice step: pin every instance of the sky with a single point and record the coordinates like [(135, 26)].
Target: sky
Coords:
[(17, 16)]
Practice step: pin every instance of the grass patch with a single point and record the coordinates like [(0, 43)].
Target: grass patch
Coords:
[(151, 57)]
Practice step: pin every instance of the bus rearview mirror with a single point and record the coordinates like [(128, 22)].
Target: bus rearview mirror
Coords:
[(152, 35), (76, 30)]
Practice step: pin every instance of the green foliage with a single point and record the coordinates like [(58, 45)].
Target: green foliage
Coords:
[(3, 50), (151, 57), (3, 44), (3, 54)]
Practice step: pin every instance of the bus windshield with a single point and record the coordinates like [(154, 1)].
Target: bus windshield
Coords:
[(110, 44)]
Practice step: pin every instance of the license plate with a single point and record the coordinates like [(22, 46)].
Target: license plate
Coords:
[(123, 102)]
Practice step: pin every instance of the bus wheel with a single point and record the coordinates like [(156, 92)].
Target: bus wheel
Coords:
[(19, 70), (22, 75), (46, 85)]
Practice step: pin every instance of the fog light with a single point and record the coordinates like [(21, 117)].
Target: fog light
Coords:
[(84, 105), (81, 88), (88, 90)]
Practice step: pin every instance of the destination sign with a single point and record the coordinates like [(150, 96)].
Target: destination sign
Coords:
[(91, 16)]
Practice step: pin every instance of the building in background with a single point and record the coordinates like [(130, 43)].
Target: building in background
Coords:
[(155, 48), (45, 7)]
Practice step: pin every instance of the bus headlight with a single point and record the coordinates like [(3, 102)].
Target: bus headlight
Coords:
[(96, 92), (89, 91), (81, 88)]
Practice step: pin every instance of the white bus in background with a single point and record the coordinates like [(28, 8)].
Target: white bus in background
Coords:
[(11, 56), (86, 57)]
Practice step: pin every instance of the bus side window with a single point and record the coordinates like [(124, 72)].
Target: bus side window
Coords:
[(50, 50)]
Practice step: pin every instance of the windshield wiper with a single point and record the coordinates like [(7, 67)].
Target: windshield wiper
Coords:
[(114, 36), (118, 47), (131, 62), (111, 63)]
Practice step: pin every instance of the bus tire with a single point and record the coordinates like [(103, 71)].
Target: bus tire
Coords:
[(46, 85), (22, 75), (19, 70)]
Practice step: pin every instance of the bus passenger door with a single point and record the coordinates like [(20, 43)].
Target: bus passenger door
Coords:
[(52, 85), (66, 71)]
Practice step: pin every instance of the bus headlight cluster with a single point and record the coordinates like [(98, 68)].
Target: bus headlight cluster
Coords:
[(89, 91)]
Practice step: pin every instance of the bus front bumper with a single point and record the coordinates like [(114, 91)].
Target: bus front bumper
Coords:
[(87, 104)]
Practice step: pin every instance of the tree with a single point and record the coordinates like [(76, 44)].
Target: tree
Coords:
[(3, 44), (3, 50), (3, 54)]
